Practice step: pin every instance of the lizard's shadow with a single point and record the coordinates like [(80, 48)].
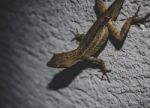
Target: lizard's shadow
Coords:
[(66, 76)]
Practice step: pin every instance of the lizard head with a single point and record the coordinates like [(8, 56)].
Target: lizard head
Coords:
[(58, 61)]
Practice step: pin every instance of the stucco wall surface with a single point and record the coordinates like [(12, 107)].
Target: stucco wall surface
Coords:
[(31, 31)]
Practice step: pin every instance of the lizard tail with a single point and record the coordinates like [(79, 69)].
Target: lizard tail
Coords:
[(64, 60)]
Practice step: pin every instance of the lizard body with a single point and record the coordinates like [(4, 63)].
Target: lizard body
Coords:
[(91, 44), (70, 58)]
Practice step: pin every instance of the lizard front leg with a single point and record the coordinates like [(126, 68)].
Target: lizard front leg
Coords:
[(78, 36), (101, 63)]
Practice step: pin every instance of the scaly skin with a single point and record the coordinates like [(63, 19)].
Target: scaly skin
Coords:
[(67, 59), (92, 43), (130, 21)]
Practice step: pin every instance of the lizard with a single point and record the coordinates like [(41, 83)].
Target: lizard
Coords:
[(91, 44)]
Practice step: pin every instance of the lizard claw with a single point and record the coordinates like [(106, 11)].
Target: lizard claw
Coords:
[(77, 36), (105, 74), (136, 13), (141, 20)]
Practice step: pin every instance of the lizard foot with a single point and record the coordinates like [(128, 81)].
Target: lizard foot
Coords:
[(140, 20), (78, 36), (105, 74), (101, 63)]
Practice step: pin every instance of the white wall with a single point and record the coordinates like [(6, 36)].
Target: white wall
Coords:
[(31, 31)]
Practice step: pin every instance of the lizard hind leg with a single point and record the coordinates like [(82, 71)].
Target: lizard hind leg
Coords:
[(102, 67), (121, 35), (140, 20)]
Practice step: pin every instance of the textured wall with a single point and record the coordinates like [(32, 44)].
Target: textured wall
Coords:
[(32, 30)]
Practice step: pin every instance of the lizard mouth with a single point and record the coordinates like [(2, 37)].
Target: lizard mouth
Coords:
[(54, 65), (51, 64)]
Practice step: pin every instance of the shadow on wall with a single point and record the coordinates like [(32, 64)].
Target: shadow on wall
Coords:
[(65, 77)]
